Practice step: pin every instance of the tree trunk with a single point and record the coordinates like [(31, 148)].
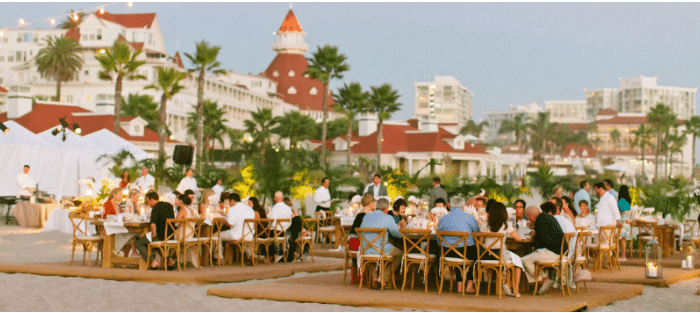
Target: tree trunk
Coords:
[(200, 119), (117, 104), (324, 126), (656, 155), (58, 89), (380, 137), (162, 134), (349, 140), (692, 166)]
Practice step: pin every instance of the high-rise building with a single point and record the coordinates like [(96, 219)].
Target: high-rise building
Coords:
[(638, 95), (495, 120), (444, 99), (566, 111)]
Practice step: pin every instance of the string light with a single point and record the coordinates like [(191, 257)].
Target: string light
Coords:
[(102, 10), (129, 5), (21, 22), (52, 21), (75, 16)]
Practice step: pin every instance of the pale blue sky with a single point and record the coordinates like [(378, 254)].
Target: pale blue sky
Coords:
[(505, 53)]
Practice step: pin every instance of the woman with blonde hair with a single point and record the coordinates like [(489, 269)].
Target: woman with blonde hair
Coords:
[(206, 194), (111, 206), (132, 203)]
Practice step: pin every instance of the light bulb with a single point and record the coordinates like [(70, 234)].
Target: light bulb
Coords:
[(75, 17), (21, 22), (102, 10), (129, 5), (52, 21)]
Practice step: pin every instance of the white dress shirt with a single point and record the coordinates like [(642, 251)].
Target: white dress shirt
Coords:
[(236, 215), (144, 183), (217, 190), (187, 183), (608, 213), (588, 221), (322, 197), (375, 190), (567, 227), (281, 211), (24, 181)]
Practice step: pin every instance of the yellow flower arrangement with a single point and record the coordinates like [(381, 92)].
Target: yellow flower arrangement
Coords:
[(245, 186)]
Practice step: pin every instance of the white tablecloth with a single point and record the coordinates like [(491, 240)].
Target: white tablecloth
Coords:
[(59, 221)]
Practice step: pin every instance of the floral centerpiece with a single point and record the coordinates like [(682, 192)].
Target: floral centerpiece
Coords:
[(87, 204)]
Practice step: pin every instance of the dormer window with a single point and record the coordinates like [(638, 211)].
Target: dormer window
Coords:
[(584, 153), (276, 74), (313, 91), (291, 74), (292, 90), (572, 153), (137, 129)]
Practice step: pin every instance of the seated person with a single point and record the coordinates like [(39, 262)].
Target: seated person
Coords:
[(585, 219), (498, 219), (379, 219), (187, 211), (457, 220), (111, 206), (398, 208), (235, 217), (521, 223), (547, 236), (160, 213), (440, 208)]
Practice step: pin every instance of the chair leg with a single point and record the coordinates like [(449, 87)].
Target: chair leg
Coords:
[(537, 279), (405, 273), (426, 271), (73, 254), (442, 279)]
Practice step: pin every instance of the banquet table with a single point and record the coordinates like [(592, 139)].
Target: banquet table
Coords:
[(33, 214), (59, 221), (109, 258)]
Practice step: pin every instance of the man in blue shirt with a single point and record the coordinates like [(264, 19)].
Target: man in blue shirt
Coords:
[(610, 187), (457, 220), (582, 195), (379, 219)]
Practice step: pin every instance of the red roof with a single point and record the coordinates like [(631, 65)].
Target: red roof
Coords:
[(607, 112), (3, 90), (290, 24), (624, 120), (134, 45), (73, 33), (578, 150), (45, 116), (577, 127), (129, 20), (283, 64), (177, 59)]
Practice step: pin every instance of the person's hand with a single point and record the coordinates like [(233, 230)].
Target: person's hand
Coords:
[(532, 233), (402, 224)]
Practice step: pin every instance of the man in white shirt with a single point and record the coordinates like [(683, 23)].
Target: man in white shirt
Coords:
[(376, 189), (188, 182), (280, 210), (145, 182), (607, 212), (25, 183), (322, 197), (218, 189), (235, 218)]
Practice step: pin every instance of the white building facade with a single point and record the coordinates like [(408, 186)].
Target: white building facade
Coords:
[(495, 120), (444, 99)]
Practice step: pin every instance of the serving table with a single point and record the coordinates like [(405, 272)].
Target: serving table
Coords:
[(109, 258), (33, 214)]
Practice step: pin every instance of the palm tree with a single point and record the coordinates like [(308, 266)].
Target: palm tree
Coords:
[(168, 81), (661, 119), (350, 101), (70, 21), (382, 101), (295, 126), (59, 60), (692, 127), (472, 128), (204, 60), (615, 135), (518, 126), (214, 125), (542, 132), (260, 126), (325, 65), (142, 106), (642, 139), (676, 141), (121, 61)]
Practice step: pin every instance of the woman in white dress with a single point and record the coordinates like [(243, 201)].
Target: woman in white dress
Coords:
[(188, 211), (498, 219)]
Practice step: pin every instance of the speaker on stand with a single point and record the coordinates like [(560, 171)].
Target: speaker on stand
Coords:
[(182, 155)]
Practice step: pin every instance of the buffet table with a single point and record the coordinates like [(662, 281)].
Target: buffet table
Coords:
[(33, 214)]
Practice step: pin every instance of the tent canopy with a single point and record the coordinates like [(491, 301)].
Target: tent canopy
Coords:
[(73, 141), (18, 135), (112, 144), (618, 168)]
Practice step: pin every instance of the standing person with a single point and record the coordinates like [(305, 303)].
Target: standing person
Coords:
[(218, 188), (160, 213), (558, 191), (582, 194), (111, 206), (547, 236), (25, 184), (187, 182), (436, 192), (379, 219), (624, 206), (377, 189), (610, 187), (145, 182), (457, 220), (322, 197), (126, 179), (608, 213)]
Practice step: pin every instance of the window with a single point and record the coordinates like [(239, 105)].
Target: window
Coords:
[(275, 74), (92, 36), (291, 73), (313, 91), (18, 56), (292, 90), (99, 34), (10, 59), (85, 37)]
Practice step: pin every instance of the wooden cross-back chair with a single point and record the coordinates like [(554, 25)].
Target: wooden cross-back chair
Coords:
[(561, 265), (603, 247), (170, 242), (238, 246), (381, 259), (349, 255), (79, 221), (580, 256), (190, 237), (310, 225), (212, 239), (646, 231), (279, 236), (263, 235), (415, 254), (449, 262), (326, 227), (495, 260), (692, 233)]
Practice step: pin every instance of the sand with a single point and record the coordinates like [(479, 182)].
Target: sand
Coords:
[(24, 292)]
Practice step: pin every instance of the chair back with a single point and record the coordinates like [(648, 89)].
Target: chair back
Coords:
[(368, 244), (193, 227), (279, 230), (581, 246), (217, 224), (413, 240), (646, 228), (171, 232), (565, 240), (690, 226), (446, 247), (483, 250), (248, 229), (606, 234), (311, 225), (580, 228), (263, 227), (79, 226), (321, 217)]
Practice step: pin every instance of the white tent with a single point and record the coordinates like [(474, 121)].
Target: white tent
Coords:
[(618, 168), (18, 135), (112, 144), (73, 141)]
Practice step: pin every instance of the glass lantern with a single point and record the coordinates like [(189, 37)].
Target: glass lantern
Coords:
[(688, 255), (652, 259)]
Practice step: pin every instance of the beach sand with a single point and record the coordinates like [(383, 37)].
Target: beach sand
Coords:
[(24, 292)]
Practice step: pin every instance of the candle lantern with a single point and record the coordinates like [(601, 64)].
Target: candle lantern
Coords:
[(688, 255), (652, 259)]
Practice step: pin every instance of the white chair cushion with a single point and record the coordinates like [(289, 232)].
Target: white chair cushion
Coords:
[(307, 237), (419, 256), (327, 228), (451, 259), (646, 237), (83, 237)]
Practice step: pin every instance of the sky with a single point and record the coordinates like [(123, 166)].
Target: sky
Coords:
[(504, 53)]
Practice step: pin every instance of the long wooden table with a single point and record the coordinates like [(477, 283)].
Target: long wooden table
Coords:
[(109, 258)]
